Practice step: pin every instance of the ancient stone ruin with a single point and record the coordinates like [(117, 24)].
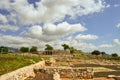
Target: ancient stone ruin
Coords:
[(69, 72)]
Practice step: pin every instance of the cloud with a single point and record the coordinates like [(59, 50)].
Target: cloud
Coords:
[(116, 5), (51, 31), (3, 19), (85, 7), (13, 39), (106, 46), (78, 45), (84, 46), (12, 17), (35, 31), (6, 27), (49, 11), (62, 28), (86, 37), (117, 41), (5, 4), (118, 25), (18, 41)]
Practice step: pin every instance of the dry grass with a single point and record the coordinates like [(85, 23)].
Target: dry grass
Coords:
[(9, 62)]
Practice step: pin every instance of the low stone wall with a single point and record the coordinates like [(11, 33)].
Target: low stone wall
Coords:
[(23, 73), (69, 72)]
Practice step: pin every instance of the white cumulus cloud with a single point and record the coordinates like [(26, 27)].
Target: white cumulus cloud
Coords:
[(62, 28), (106, 46), (118, 25), (35, 31), (86, 37), (117, 41), (51, 10), (18, 41), (51, 31), (4, 4), (3, 19), (78, 45), (51, 14), (6, 27)]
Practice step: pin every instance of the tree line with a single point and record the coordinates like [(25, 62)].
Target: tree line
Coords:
[(97, 52), (34, 49)]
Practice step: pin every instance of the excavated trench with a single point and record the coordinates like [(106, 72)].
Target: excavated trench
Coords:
[(42, 75)]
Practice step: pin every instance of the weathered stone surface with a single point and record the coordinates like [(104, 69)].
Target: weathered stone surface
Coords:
[(69, 72), (56, 76), (23, 73)]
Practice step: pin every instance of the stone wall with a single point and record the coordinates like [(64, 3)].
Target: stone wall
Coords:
[(56, 52), (69, 72), (23, 73)]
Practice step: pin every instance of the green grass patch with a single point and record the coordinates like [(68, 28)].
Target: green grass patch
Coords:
[(10, 63)]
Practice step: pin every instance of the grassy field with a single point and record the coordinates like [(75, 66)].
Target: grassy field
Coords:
[(9, 62)]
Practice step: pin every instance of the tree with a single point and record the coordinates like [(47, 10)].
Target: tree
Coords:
[(24, 49), (33, 49), (103, 53), (95, 52), (114, 55), (48, 47), (3, 49), (65, 46), (72, 50)]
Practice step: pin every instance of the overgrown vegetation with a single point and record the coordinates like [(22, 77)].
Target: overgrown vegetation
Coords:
[(112, 58), (33, 49), (9, 62), (24, 49), (49, 47), (3, 49)]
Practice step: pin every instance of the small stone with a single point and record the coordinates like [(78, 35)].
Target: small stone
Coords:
[(56, 76)]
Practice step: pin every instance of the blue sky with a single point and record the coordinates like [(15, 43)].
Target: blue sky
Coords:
[(84, 24)]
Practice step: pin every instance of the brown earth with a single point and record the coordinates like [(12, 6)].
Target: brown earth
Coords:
[(89, 79), (9, 59)]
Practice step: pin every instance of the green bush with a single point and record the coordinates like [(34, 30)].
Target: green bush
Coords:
[(3, 49), (33, 49), (24, 49)]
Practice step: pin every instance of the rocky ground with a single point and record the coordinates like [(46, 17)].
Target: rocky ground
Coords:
[(101, 68)]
